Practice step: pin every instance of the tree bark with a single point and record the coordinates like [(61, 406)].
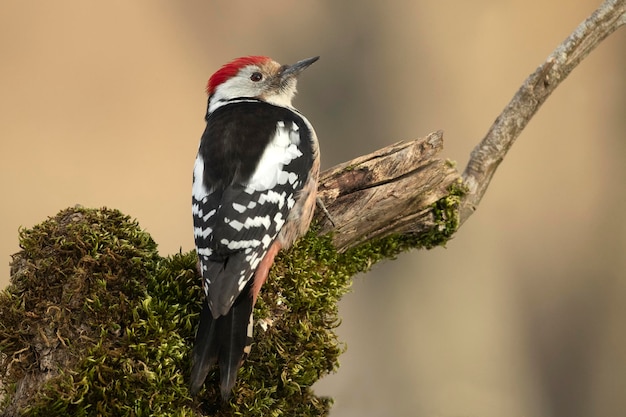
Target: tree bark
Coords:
[(390, 191)]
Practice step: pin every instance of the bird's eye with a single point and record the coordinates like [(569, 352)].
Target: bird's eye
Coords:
[(256, 76)]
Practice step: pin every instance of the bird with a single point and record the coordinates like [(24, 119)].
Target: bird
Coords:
[(254, 193)]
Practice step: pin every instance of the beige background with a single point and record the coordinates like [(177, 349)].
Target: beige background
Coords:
[(102, 103)]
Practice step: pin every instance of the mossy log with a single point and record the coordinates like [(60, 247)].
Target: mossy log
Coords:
[(96, 322)]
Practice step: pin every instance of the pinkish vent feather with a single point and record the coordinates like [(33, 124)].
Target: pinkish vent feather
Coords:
[(231, 69)]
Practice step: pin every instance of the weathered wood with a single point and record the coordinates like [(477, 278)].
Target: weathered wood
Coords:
[(389, 191)]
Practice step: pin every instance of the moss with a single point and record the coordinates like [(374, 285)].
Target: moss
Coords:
[(295, 343), (446, 218), (111, 323), (87, 308)]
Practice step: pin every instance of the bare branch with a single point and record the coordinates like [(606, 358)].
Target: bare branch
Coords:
[(392, 190), (486, 157)]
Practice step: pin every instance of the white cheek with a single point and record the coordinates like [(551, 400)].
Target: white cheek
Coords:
[(239, 86)]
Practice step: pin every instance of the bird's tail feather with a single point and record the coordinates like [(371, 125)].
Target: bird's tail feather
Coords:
[(232, 332), (225, 340), (205, 350)]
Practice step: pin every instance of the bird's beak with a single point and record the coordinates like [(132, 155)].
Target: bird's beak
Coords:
[(291, 71)]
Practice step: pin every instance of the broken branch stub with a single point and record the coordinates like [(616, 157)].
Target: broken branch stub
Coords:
[(390, 191)]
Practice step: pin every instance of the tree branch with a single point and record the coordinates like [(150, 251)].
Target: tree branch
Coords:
[(392, 191), (488, 154)]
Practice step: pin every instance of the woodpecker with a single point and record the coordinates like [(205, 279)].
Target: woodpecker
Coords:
[(254, 192)]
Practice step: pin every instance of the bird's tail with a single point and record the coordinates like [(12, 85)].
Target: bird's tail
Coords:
[(224, 340)]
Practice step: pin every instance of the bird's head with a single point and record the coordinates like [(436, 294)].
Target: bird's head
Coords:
[(256, 77)]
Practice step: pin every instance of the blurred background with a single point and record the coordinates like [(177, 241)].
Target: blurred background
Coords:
[(521, 315)]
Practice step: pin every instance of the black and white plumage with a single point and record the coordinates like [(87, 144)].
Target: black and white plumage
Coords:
[(254, 191)]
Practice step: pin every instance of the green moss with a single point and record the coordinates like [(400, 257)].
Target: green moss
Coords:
[(88, 306), (92, 304), (446, 218), (294, 339), (114, 323)]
